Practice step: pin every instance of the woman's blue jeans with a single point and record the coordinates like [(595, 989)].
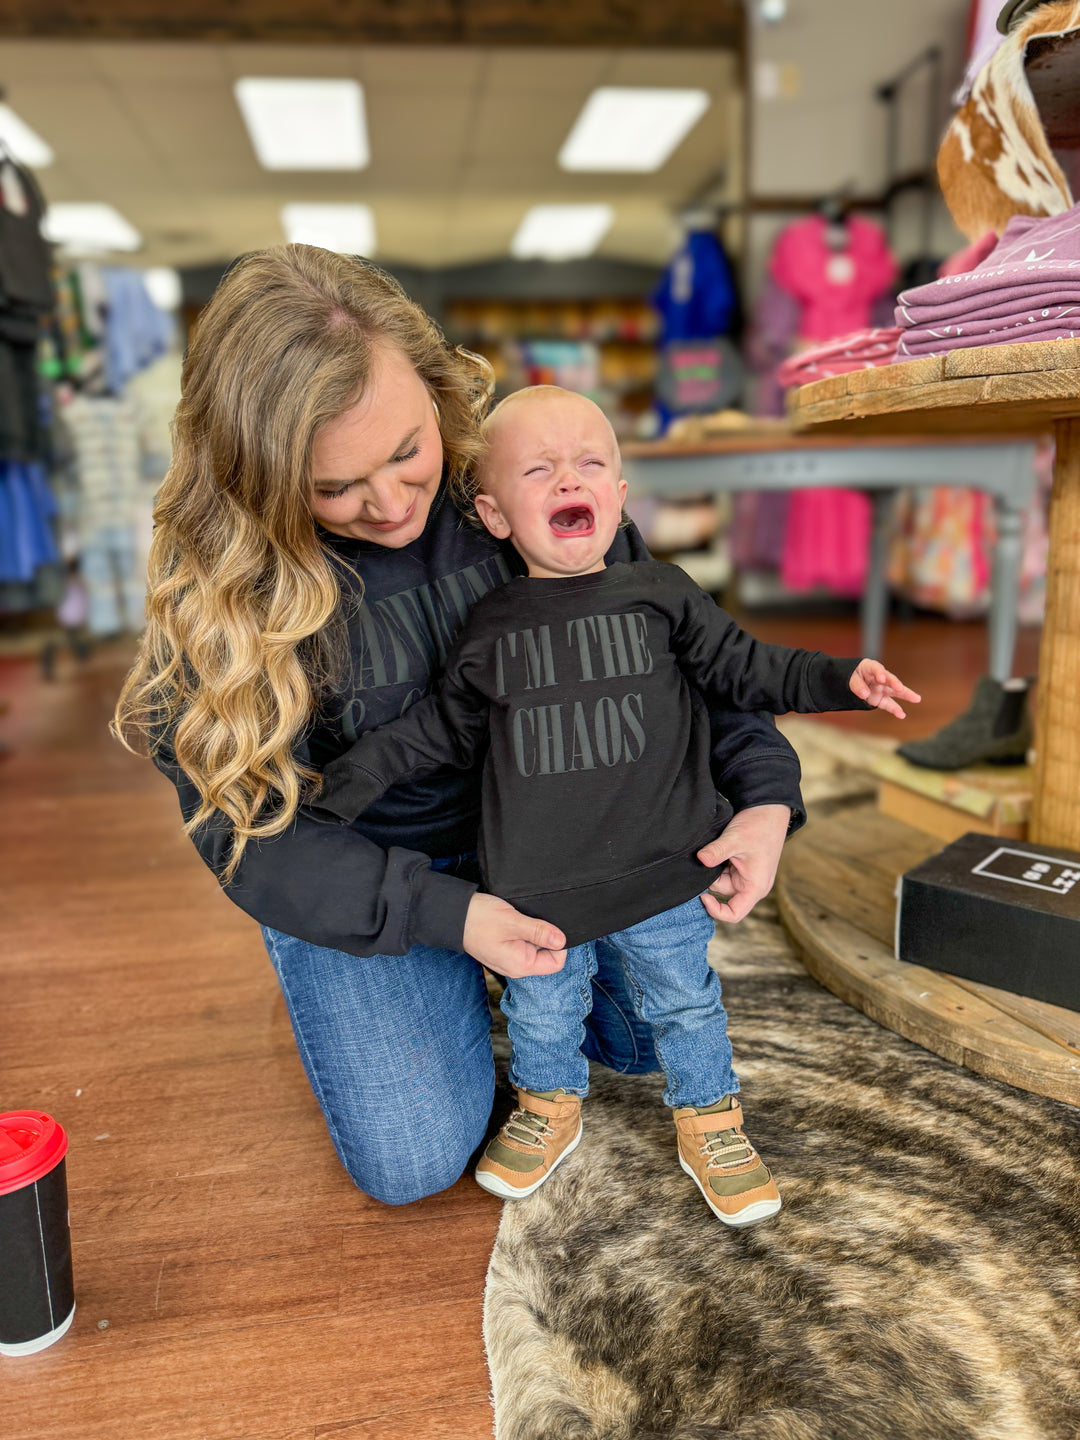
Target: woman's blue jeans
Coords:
[(398, 1052)]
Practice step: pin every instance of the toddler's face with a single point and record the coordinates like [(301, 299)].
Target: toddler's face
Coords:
[(551, 482)]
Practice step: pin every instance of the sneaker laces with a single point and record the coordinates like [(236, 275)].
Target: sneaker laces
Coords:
[(528, 1128), (725, 1149)]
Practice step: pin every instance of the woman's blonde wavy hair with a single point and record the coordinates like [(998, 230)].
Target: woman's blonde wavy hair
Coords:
[(242, 605)]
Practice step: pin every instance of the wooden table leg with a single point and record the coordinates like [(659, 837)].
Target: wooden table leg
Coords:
[(1055, 818)]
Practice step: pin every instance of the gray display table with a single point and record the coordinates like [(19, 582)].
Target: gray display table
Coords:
[(999, 465)]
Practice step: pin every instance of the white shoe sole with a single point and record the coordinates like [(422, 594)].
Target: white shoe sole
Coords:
[(497, 1186), (761, 1210)]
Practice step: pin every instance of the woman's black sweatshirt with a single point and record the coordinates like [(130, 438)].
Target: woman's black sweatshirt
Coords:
[(368, 888), (587, 694)]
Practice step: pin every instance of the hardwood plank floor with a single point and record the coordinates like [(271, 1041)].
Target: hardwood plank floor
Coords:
[(249, 1289), (231, 1281)]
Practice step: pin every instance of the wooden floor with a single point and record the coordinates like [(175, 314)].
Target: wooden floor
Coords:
[(230, 1280)]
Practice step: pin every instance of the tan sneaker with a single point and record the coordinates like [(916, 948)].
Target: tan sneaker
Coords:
[(539, 1134), (723, 1164)]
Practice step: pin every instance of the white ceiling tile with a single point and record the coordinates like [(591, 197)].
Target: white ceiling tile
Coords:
[(529, 125), (204, 146), (422, 70), (26, 62), (543, 68), (169, 62), (89, 127), (417, 141), (61, 182), (709, 70), (293, 60)]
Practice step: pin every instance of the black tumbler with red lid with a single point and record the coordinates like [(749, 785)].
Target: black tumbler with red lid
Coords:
[(37, 1298)]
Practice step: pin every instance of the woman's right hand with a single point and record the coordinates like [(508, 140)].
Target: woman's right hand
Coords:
[(510, 943)]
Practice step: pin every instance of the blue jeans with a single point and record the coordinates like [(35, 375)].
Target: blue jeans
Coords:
[(674, 991), (398, 1052)]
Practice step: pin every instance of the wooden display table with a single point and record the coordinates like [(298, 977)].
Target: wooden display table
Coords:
[(1005, 388), (835, 893), (836, 890)]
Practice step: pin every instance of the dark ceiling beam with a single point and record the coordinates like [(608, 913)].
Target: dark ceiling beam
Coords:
[(630, 23)]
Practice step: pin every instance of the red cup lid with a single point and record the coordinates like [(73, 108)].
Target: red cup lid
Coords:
[(31, 1144)]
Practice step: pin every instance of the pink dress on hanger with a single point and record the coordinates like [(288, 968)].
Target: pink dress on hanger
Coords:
[(835, 287), (827, 537)]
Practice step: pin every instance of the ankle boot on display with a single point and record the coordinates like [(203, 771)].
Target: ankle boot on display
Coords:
[(994, 729)]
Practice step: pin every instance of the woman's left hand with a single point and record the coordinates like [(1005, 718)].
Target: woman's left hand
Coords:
[(751, 844)]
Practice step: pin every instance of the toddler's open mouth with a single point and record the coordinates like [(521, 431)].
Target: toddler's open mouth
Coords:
[(572, 521)]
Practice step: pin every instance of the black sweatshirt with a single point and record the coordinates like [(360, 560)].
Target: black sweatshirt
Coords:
[(368, 888), (588, 696)]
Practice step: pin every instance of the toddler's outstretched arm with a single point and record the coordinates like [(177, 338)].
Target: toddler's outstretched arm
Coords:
[(879, 687)]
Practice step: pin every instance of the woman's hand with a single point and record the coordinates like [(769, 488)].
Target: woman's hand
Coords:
[(751, 845), (879, 687), (510, 943)]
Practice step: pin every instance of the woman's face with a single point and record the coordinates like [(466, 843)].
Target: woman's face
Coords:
[(377, 467)]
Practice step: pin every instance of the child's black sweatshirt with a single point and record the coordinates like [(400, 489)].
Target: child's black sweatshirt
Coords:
[(369, 888), (589, 695)]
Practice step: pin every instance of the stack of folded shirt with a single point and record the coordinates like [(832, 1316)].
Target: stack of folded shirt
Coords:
[(862, 350), (1027, 288)]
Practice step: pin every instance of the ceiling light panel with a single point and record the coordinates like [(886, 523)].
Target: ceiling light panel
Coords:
[(89, 229), (349, 229), (305, 124), (561, 232), (631, 128), (25, 144), (164, 286)]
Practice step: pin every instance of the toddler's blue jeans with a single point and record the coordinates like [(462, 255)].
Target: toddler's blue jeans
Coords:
[(672, 990)]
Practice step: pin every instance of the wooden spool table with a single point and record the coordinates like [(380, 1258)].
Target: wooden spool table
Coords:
[(836, 887)]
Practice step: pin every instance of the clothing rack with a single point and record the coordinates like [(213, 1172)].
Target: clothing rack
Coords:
[(891, 95)]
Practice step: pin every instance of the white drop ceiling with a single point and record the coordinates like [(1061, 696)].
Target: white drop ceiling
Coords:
[(464, 140)]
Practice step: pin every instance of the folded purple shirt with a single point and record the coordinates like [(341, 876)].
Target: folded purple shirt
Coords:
[(1029, 298), (1027, 288), (917, 343), (1016, 317)]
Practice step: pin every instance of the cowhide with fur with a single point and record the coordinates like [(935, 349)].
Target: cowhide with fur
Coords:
[(921, 1283), (995, 161)]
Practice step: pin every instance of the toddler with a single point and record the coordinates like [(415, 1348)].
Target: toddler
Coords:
[(581, 686)]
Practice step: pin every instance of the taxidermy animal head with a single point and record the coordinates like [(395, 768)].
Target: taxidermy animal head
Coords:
[(995, 161)]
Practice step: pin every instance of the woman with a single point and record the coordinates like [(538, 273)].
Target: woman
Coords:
[(309, 572)]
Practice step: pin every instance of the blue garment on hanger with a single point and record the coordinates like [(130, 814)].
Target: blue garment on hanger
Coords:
[(27, 507), (696, 298), (136, 331)]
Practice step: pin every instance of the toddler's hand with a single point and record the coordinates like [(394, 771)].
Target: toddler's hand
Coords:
[(871, 682)]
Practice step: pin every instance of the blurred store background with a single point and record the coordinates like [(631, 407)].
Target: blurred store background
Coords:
[(684, 209), (638, 202)]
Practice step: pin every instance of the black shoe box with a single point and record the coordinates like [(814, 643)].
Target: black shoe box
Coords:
[(1003, 913)]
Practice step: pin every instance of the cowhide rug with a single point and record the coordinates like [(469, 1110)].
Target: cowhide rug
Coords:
[(922, 1281)]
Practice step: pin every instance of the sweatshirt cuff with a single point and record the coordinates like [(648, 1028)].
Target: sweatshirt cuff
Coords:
[(438, 909), (830, 684), (346, 792), (770, 778)]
